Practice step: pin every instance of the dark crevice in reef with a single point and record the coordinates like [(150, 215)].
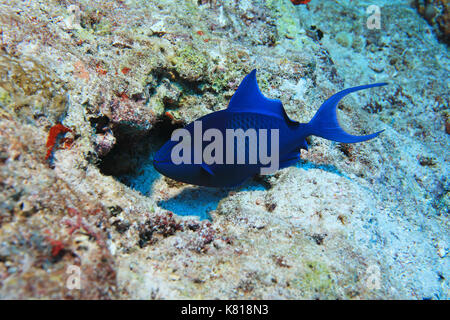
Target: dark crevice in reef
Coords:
[(133, 151), (99, 124)]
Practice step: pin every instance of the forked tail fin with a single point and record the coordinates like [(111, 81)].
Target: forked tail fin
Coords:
[(325, 123)]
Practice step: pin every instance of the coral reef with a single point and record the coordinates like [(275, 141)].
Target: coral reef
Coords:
[(437, 13), (114, 78), (46, 226)]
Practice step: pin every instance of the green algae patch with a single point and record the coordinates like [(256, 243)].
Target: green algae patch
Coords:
[(221, 79), (286, 22), (85, 35), (190, 63), (318, 278), (28, 90), (5, 97)]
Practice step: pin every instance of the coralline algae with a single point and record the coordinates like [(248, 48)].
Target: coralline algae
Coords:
[(350, 222)]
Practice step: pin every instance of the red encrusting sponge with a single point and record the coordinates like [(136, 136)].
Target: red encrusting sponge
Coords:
[(55, 132), (297, 2)]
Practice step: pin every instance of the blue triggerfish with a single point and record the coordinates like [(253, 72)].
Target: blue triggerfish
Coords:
[(253, 135)]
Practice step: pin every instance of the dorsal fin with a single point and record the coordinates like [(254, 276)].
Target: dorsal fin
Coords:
[(248, 98)]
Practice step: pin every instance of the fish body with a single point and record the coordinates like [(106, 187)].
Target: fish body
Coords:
[(249, 109)]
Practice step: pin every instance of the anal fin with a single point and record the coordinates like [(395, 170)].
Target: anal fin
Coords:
[(207, 169)]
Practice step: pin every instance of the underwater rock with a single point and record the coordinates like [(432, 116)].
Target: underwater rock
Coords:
[(349, 222), (49, 233), (72, 21), (28, 90), (344, 39), (126, 111), (104, 143), (437, 14)]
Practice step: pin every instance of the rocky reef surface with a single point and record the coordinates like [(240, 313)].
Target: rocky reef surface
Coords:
[(90, 89)]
